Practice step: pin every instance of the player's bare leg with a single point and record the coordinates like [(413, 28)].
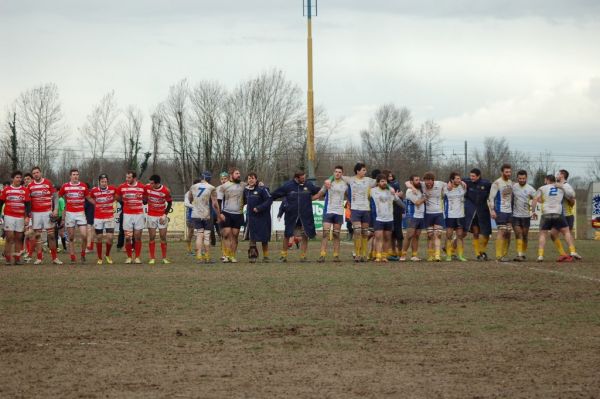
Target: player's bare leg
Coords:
[(541, 244), (364, 247), (357, 238), (265, 251), (129, 246), (9, 246), (200, 249), (71, 236), (378, 245), (303, 246), (226, 233), (566, 232), (410, 232), (284, 248)]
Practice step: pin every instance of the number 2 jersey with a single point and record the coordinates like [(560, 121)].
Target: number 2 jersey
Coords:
[(550, 198)]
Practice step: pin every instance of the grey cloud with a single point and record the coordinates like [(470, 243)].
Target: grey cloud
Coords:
[(119, 9)]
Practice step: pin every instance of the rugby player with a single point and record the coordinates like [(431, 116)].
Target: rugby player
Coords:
[(202, 195), (43, 201), (334, 191), (382, 204), (17, 208), (568, 208), (500, 204), (133, 194), (522, 193), (103, 199), (454, 212), (159, 206), (551, 196), (415, 219), (477, 212), (74, 192), (231, 217)]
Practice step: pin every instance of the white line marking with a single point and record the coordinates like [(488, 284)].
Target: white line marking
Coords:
[(537, 269)]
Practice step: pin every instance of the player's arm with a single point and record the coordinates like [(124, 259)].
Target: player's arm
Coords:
[(536, 199), (214, 202), (490, 201), (90, 199)]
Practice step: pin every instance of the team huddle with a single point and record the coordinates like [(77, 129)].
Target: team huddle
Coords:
[(374, 207)]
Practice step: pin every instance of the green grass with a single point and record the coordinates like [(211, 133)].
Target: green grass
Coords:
[(302, 330)]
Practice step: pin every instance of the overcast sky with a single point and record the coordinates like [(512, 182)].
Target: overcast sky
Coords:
[(527, 70)]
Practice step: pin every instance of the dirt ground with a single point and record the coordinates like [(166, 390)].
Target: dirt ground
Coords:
[(446, 330)]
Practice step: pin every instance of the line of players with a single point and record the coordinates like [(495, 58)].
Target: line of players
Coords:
[(36, 205), (454, 207)]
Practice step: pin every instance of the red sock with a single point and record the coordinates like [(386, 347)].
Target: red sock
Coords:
[(53, 253), (108, 247), (91, 246), (17, 257), (83, 253), (163, 249), (73, 258), (29, 245), (128, 248), (7, 256), (40, 255), (99, 249), (151, 248), (138, 248)]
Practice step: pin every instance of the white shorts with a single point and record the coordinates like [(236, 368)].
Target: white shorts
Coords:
[(153, 222), (104, 224), (41, 221), (133, 222), (14, 224), (73, 219)]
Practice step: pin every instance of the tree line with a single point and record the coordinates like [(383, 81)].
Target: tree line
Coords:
[(256, 126)]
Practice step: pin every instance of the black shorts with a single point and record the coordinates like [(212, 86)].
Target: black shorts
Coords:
[(521, 222), (415, 223), (434, 219), (553, 221), (455, 223), (385, 226), (200, 224), (333, 218), (232, 221), (570, 221), (503, 218)]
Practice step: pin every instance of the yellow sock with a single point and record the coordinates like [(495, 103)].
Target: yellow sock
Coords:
[(284, 254), (302, 255), (519, 247), (189, 246), (266, 253), (385, 255), (524, 247), (404, 253), (572, 249), (559, 247), (415, 253), (323, 253), (357, 246), (506, 246), (378, 255), (541, 252), (335, 254), (476, 247), (460, 249), (483, 243), (364, 246), (499, 247), (449, 250), (437, 253)]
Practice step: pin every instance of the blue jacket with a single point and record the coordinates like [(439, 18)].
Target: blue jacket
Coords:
[(476, 205), (299, 206), (258, 224)]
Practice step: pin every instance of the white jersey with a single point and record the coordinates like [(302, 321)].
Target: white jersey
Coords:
[(412, 210), (233, 197), (201, 193), (550, 197), (334, 197), (454, 203), (434, 197), (382, 203), (522, 196), (500, 199), (359, 192)]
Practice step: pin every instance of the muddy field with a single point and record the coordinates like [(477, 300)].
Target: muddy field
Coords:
[(469, 330)]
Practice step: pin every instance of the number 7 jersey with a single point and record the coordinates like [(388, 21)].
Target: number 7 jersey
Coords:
[(201, 193)]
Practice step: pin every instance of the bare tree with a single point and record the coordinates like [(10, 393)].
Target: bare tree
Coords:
[(40, 118), (174, 113), (593, 169), (389, 133), (431, 143), (155, 135), (130, 130), (495, 152)]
